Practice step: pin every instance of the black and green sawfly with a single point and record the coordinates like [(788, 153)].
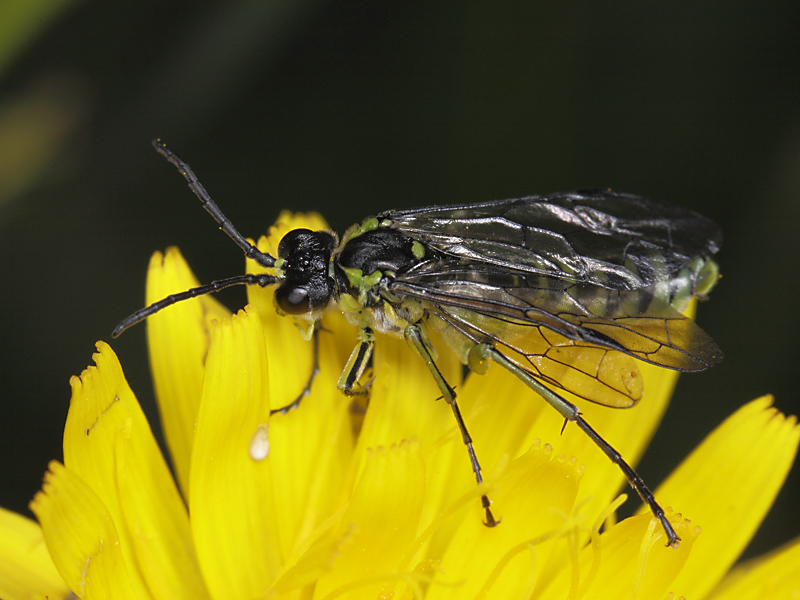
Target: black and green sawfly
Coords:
[(562, 290)]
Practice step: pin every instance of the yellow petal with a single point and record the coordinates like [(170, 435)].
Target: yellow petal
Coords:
[(177, 340), (26, 569), (310, 446), (82, 539), (628, 561), (502, 414), (262, 483), (772, 576), (231, 499), (498, 419), (403, 405), (727, 485), (109, 445), (627, 430), (535, 496), (377, 531), (505, 418)]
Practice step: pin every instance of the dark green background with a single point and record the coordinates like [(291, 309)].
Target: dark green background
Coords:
[(351, 108)]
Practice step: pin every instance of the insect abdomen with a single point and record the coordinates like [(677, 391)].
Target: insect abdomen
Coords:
[(693, 281)]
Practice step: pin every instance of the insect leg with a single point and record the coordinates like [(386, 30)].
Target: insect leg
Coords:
[(307, 388), (262, 258), (414, 339), (356, 364), (260, 279), (571, 413)]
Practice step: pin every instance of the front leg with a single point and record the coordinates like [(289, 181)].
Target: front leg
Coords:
[(357, 364), (307, 388)]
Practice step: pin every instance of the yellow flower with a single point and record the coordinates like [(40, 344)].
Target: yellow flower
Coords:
[(323, 502)]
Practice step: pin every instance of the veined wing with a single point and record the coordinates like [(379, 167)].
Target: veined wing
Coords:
[(572, 285), (604, 238), (592, 372), (551, 329), (635, 322)]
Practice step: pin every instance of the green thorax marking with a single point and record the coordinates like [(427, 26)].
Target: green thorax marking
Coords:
[(364, 285), (358, 229)]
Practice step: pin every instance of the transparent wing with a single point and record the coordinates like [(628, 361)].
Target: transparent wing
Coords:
[(551, 328), (592, 372), (604, 238), (573, 286)]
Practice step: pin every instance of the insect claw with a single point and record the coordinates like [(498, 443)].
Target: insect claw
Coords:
[(358, 392), (564, 426), (490, 521)]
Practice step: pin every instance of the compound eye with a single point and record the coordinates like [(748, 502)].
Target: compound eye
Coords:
[(293, 300)]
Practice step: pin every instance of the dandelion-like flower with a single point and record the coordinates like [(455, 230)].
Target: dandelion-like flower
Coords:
[(324, 502)]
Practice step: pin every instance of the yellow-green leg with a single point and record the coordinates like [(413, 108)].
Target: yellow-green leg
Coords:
[(413, 336)]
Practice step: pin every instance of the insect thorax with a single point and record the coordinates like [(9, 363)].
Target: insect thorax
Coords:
[(364, 266)]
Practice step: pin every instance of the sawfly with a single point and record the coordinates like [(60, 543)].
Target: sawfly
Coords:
[(558, 289)]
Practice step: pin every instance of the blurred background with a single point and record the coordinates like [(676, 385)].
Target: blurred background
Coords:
[(350, 108)]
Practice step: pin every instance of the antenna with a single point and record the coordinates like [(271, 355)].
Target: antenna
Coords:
[(250, 251)]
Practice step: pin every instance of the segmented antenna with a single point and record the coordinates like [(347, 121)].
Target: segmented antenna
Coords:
[(250, 251), (261, 279), (262, 258)]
